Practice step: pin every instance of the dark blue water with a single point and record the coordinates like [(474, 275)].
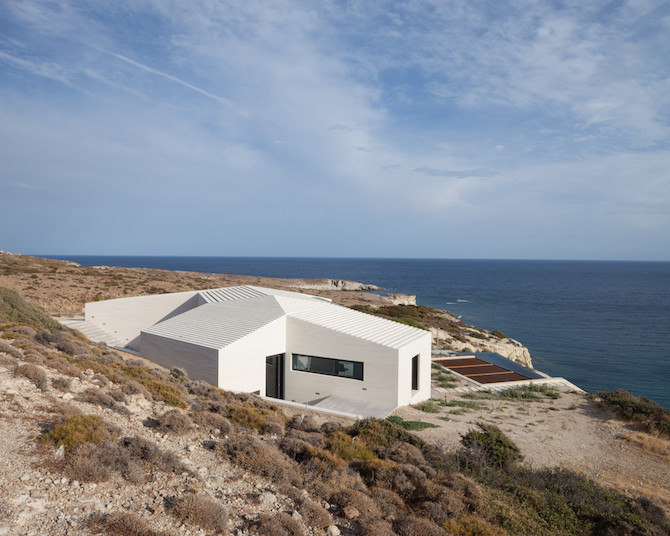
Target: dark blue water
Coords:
[(602, 325)]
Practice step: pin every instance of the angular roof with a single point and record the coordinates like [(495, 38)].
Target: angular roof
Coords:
[(231, 313)]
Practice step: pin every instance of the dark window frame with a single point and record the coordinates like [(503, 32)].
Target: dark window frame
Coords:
[(415, 373), (357, 367)]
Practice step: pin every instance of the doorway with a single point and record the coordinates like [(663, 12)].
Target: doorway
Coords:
[(274, 376)]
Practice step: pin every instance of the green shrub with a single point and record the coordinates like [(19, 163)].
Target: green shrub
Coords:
[(428, 406), (411, 425), (169, 393), (384, 433), (13, 308), (491, 446), (349, 448), (248, 417), (77, 430), (652, 416), (468, 404)]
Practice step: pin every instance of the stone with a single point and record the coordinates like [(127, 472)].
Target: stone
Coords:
[(332, 530), (350, 512), (268, 498), (296, 515)]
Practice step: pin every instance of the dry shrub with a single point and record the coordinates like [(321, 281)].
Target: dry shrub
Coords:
[(211, 421), (98, 398), (407, 479), (24, 330), (46, 337), (8, 361), (68, 347), (323, 479), (132, 458), (122, 524), (62, 366), (280, 524), (77, 430), (102, 380), (303, 422), (377, 528), (316, 439), (143, 450), (130, 387), (31, 356), (274, 428), (201, 511), (65, 409), (255, 456), (314, 514), (328, 428), (654, 443), (62, 384), (377, 472), (175, 422), (465, 487), (472, 525), (417, 526), (366, 506), (85, 464), (389, 502), (117, 394), (35, 374), (402, 452), (438, 502), (7, 348)]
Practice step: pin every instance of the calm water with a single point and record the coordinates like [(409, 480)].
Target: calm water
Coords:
[(602, 325)]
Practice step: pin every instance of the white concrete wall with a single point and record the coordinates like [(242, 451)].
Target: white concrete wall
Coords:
[(380, 368), (242, 364), (199, 362), (422, 348), (126, 317)]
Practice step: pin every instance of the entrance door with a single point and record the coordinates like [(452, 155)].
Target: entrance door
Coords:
[(274, 376)]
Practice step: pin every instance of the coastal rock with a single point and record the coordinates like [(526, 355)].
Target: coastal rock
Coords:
[(402, 299), (476, 340), (333, 284)]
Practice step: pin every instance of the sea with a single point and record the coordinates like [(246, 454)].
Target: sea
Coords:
[(603, 325)]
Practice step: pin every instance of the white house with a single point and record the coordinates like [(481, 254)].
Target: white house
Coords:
[(279, 344)]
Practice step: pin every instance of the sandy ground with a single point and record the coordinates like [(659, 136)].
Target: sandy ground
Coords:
[(572, 432)]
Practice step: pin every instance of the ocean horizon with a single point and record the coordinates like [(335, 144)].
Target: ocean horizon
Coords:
[(601, 324)]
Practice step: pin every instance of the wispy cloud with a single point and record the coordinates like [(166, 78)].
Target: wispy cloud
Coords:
[(533, 114), (49, 70), (167, 76), (458, 174)]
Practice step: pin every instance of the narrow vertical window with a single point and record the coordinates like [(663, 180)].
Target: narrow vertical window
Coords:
[(415, 373)]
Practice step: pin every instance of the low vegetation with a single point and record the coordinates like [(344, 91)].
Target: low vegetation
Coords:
[(377, 476), (647, 413)]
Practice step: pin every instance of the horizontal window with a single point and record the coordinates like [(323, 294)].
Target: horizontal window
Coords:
[(331, 367)]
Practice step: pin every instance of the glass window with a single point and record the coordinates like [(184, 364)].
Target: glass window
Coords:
[(331, 367)]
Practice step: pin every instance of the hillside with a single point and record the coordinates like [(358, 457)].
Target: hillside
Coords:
[(94, 441), (62, 288)]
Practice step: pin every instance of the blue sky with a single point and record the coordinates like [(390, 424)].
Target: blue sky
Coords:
[(445, 129)]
